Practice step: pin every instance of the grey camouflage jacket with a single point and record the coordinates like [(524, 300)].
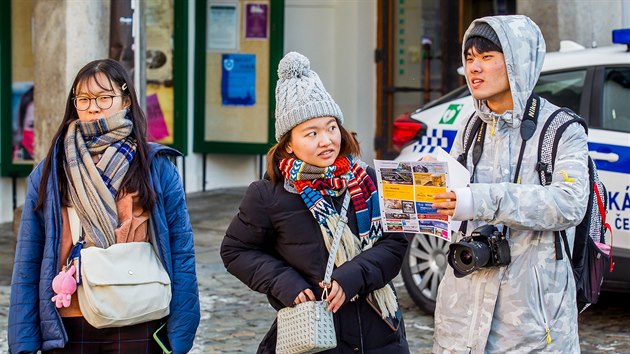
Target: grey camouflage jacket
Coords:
[(529, 305)]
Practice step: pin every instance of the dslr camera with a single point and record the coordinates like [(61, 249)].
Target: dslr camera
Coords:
[(485, 247)]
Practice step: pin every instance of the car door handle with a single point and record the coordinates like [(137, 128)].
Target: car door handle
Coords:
[(610, 157)]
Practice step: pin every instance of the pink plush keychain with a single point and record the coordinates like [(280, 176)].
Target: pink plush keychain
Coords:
[(64, 285)]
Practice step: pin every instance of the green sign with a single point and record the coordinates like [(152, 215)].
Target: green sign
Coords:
[(450, 115)]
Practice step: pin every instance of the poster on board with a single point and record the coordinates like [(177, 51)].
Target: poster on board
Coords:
[(238, 79), (223, 27), (256, 21)]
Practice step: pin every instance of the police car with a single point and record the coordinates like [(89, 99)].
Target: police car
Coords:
[(593, 82)]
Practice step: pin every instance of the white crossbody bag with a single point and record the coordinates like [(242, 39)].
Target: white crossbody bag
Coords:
[(309, 327), (122, 285)]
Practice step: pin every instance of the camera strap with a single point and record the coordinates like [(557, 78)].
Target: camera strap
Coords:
[(528, 127)]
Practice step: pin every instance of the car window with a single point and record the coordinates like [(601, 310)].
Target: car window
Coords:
[(563, 89), (616, 100)]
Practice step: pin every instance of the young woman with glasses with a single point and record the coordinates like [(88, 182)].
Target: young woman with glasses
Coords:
[(122, 188)]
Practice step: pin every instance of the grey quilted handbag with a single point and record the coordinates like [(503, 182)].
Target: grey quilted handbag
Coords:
[(309, 327)]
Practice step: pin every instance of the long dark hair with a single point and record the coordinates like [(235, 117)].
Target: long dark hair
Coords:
[(349, 146), (137, 177)]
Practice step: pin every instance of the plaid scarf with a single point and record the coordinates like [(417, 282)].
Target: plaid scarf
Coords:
[(313, 183), (93, 187)]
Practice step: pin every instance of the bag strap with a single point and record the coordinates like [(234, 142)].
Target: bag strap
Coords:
[(602, 212), (343, 219), (76, 230)]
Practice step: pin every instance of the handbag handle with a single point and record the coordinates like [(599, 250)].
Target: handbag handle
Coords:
[(343, 219)]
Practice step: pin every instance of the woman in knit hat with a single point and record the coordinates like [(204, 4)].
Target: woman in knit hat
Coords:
[(102, 176), (278, 243)]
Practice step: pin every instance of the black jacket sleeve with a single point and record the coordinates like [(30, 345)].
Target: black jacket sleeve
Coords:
[(373, 268), (247, 250)]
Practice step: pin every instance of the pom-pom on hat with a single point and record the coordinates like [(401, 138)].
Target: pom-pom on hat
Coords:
[(300, 95)]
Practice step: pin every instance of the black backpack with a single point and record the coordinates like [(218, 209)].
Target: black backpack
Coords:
[(589, 259)]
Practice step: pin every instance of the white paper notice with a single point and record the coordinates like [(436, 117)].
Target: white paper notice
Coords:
[(223, 26)]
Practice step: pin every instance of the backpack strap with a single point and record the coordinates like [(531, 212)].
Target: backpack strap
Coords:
[(547, 149), (550, 138), (472, 127)]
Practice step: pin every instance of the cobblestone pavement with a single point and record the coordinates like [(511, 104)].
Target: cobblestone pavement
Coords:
[(234, 318)]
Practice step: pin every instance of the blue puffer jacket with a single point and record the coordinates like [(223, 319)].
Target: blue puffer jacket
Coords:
[(35, 324)]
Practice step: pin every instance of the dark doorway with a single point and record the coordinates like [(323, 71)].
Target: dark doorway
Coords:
[(418, 53)]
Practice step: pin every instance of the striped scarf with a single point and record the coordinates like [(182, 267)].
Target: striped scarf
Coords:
[(313, 183), (93, 187)]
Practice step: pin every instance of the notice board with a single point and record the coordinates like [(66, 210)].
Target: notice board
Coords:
[(237, 50)]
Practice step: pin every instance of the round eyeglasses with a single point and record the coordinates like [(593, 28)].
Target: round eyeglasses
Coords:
[(82, 103)]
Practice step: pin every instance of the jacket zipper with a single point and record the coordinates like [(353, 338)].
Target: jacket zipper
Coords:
[(473, 322), (356, 306), (57, 232), (542, 307)]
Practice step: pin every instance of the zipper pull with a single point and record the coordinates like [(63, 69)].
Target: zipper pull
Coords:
[(548, 334)]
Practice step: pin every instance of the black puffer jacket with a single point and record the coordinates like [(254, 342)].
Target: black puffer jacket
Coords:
[(275, 246)]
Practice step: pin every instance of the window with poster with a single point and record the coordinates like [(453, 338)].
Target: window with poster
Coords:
[(162, 70), (162, 73), (238, 44), (16, 88)]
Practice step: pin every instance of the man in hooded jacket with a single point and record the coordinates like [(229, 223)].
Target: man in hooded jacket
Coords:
[(528, 305)]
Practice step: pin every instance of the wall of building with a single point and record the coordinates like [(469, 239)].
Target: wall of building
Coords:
[(339, 37), (587, 22)]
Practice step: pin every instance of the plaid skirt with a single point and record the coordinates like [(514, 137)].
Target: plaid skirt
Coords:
[(83, 338)]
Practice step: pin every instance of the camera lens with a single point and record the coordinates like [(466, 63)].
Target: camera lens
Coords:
[(466, 257)]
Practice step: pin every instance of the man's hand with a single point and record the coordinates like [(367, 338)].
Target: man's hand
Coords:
[(445, 203)]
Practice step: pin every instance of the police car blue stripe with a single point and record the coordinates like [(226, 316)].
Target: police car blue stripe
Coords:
[(450, 137), (433, 139), (622, 165)]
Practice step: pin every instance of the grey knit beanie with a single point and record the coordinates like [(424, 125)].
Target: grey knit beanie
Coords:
[(484, 30), (300, 95)]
